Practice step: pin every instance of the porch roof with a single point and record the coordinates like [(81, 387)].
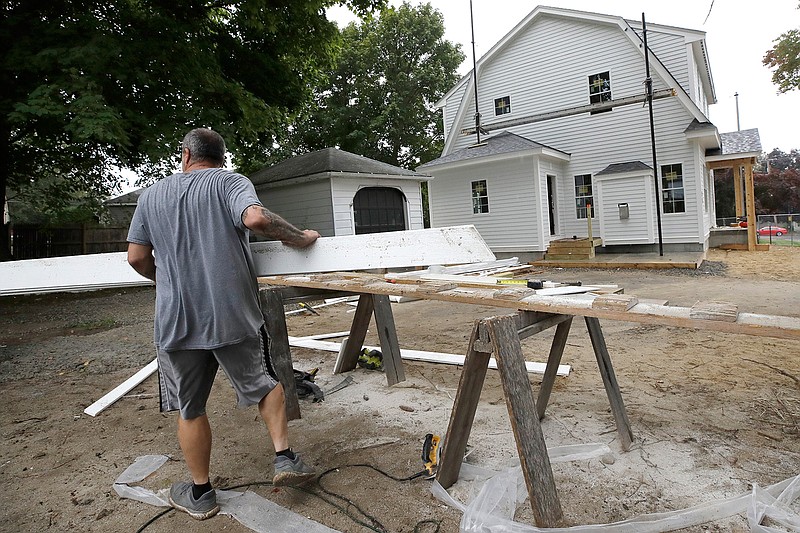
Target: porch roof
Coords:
[(623, 168), (500, 144)]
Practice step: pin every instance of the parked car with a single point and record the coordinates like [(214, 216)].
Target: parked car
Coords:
[(772, 230)]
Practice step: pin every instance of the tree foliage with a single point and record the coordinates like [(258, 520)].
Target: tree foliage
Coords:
[(784, 58), (379, 100), (92, 87)]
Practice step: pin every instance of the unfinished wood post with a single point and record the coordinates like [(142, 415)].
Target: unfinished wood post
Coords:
[(553, 360), (610, 382), (387, 334), (280, 354), (466, 403), (358, 332), (522, 411)]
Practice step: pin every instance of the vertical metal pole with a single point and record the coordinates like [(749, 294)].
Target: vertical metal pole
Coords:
[(736, 95), (648, 82), (475, 75)]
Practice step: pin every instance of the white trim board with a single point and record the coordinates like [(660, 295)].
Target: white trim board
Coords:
[(434, 246), (122, 389), (394, 249), (70, 273), (418, 355)]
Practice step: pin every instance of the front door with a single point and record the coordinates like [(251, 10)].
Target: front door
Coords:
[(551, 202)]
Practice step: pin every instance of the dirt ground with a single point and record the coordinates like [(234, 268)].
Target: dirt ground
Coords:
[(711, 413)]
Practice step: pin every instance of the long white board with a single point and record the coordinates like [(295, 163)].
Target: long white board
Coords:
[(395, 249), (435, 246)]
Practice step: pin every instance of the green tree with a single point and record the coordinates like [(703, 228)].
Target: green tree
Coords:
[(92, 87), (380, 98), (784, 57)]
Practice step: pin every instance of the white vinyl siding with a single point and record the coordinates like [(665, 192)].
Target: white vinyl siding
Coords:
[(343, 191), (513, 222), (671, 50), (633, 191), (306, 205)]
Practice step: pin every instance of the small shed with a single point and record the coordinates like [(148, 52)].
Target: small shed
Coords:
[(339, 193), (121, 208)]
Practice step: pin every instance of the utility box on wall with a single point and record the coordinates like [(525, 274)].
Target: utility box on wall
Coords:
[(623, 211)]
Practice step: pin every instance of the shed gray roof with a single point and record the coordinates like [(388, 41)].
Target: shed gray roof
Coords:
[(325, 162), (130, 198), (621, 168), (738, 142), (502, 143)]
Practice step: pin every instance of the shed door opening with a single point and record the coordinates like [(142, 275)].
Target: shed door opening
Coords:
[(379, 209)]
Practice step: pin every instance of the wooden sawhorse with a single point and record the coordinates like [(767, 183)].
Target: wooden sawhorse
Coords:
[(272, 300), (501, 336)]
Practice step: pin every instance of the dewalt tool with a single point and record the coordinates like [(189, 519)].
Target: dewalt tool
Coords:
[(431, 454), (370, 359), (308, 308)]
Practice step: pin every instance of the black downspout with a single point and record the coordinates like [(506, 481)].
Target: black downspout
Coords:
[(648, 83)]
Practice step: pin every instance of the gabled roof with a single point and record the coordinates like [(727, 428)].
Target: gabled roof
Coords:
[(502, 143), (130, 198), (327, 162), (624, 168), (696, 38), (744, 143)]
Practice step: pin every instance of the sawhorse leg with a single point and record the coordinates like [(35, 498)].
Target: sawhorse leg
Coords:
[(387, 334), (280, 354), (499, 335), (610, 382)]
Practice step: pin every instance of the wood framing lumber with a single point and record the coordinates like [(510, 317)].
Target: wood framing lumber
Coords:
[(395, 249), (614, 302), (420, 355), (646, 311), (122, 389)]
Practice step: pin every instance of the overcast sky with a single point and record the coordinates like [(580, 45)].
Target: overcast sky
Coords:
[(738, 34)]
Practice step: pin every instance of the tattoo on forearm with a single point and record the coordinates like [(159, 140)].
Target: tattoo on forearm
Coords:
[(278, 228)]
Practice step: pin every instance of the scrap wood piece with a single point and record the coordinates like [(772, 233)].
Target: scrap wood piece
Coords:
[(711, 310), (432, 287), (614, 302), (513, 293)]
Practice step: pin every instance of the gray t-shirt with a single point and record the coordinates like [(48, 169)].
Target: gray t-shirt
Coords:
[(206, 288)]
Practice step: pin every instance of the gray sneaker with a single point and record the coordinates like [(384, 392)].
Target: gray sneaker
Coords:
[(291, 472), (181, 497)]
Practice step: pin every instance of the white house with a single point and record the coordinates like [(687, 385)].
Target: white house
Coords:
[(565, 124), (339, 193)]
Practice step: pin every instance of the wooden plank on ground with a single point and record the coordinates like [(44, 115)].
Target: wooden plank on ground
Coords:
[(120, 390), (711, 310), (394, 249)]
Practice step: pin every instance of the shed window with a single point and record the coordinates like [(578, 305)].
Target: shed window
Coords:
[(583, 195), (480, 197), (672, 188), (502, 105), (599, 89)]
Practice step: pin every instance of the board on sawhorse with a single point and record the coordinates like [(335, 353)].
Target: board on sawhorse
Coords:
[(501, 336)]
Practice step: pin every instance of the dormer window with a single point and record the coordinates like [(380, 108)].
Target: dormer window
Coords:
[(600, 89), (502, 105)]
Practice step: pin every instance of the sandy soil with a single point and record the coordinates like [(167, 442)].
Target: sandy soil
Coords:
[(711, 413)]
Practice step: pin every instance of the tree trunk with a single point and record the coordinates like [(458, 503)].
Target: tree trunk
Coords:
[(5, 168)]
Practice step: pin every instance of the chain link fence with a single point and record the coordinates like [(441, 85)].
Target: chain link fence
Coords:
[(781, 229)]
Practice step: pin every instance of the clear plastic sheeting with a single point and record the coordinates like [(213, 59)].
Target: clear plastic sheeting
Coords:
[(248, 508), (493, 509)]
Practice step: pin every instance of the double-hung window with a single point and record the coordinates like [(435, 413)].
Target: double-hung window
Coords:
[(480, 197), (600, 89), (502, 106), (583, 195), (672, 188)]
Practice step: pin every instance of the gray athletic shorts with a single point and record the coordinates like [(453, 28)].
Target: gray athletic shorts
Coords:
[(185, 376)]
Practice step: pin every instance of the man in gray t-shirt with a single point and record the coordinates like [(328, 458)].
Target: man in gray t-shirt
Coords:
[(190, 234)]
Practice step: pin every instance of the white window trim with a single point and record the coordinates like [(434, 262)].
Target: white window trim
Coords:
[(472, 196)]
